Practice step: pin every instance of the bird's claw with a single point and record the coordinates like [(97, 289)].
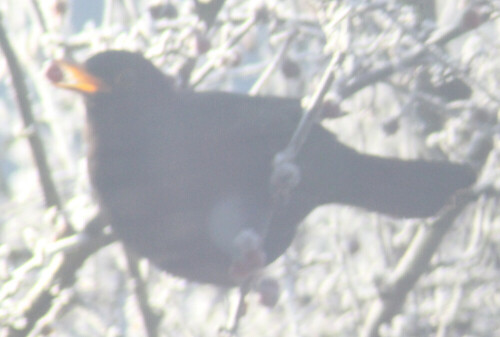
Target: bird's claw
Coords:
[(250, 256)]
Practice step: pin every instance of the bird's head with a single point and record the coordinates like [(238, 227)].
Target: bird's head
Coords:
[(109, 72)]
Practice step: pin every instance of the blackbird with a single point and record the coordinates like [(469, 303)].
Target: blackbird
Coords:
[(183, 176)]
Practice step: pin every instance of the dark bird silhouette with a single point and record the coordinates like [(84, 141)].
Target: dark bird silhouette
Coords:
[(183, 176)]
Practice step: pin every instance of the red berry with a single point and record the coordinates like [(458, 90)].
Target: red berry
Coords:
[(471, 19), (54, 73), (60, 7), (202, 44)]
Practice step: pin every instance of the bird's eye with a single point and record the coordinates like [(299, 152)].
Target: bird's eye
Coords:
[(125, 78)]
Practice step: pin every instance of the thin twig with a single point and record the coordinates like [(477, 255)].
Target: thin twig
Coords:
[(150, 318), (62, 272), (39, 15), (22, 97), (386, 69), (240, 309), (441, 36), (285, 175), (264, 76), (210, 65), (313, 111), (411, 266)]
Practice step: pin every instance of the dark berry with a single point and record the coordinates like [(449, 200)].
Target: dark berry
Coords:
[(54, 73), (290, 68), (163, 11)]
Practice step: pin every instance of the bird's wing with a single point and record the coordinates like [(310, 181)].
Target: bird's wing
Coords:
[(262, 123)]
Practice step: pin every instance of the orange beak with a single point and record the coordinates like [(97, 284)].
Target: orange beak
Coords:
[(74, 77)]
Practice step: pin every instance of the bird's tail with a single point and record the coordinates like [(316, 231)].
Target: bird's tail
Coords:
[(396, 187)]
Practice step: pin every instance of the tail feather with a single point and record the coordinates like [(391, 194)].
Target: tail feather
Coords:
[(336, 173), (407, 188)]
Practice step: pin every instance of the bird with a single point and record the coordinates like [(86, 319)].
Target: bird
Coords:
[(183, 176)]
